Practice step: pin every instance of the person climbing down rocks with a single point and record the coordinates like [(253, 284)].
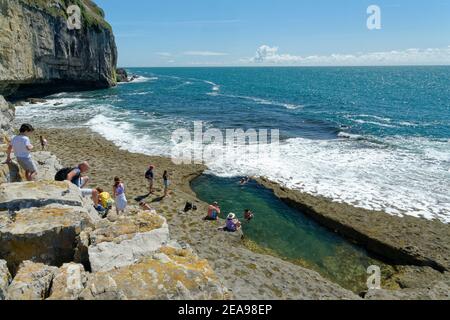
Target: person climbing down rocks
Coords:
[(75, 176), (22, 148)]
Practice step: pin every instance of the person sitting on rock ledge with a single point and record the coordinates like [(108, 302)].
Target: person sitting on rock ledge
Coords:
[(213, 212), (75, 176), (233, 224)]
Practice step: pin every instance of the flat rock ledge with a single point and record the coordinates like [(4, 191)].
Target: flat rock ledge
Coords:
[(54, 246)]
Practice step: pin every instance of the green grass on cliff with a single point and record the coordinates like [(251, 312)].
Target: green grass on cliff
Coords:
[(92, 15)]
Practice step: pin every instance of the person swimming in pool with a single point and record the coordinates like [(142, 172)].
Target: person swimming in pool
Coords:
[(248, 215)]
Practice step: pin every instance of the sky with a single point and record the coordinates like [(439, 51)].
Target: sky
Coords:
[(161, 33)]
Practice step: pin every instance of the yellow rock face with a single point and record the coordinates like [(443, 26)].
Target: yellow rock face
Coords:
[(126, 227), (46, 234), (169, 274)]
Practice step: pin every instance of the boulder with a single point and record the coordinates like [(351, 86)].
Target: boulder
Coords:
[(16, 196), (5, 279), (46, 234), (68, 282), (47, 165), (169, 274), (32, 282), (438, 290), (35, 100), (122, 75), (123, 242)]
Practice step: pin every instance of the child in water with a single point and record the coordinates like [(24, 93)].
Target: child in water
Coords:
[(119, 195), (248, 215)]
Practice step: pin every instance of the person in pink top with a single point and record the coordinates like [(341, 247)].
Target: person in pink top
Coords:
[(213, 212)]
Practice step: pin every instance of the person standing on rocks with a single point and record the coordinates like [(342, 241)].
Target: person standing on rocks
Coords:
[(119, 195), (22, 148), (150, 176), (75, 176), (166, 183)]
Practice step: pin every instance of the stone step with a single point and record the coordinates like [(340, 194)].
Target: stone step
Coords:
[(16, 196)]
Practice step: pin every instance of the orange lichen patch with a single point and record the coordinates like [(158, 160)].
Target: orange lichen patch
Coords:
[(45, 184), (153, 278), (127, 227), (188, 260), (52, 216)]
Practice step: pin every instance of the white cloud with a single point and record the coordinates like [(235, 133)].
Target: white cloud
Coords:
[(271, 55), (204, 53), (164, 54)]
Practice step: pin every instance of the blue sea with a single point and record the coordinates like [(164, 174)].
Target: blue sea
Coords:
[(374, 137)]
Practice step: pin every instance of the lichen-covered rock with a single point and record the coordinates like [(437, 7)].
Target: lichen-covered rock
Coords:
[(32, 282), (439, 290), (123, 242), (5, 279), (16, 196), (39, 54), (47, 165), (169, 274), (47, 234), (68, 283)]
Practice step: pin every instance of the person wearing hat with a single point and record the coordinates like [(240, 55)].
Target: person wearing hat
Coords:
[(233, 224), (150, 176), (213, 212)]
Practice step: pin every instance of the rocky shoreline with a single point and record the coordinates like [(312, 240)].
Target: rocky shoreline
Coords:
[(253, 275), (417, 248)]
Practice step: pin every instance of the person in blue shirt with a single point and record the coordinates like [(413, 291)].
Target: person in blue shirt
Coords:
[(150, 176)]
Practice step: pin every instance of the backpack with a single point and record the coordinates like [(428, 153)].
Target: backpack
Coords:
[(188, 207), (61, 175)]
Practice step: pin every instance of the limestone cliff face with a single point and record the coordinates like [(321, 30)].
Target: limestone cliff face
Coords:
[(7, 112), (40, 55)]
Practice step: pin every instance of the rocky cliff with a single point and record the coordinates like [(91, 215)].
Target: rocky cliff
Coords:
[(40, 55), (7, 112)]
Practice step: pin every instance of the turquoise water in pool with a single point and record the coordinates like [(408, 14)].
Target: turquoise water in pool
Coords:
[(287, 232)]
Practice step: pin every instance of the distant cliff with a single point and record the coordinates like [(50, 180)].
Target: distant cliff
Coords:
[(40, 55)]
